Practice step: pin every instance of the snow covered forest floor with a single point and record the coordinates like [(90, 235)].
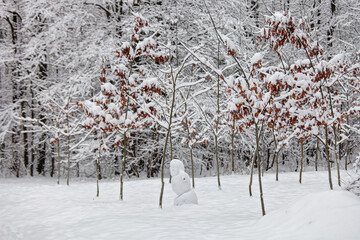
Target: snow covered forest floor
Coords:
[(37, 208)]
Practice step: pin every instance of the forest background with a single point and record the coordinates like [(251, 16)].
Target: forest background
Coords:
[(120, 87)]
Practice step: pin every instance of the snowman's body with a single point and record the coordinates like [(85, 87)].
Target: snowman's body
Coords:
[(180, 183)]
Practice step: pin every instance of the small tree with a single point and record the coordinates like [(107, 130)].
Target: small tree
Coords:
[(124, 104)]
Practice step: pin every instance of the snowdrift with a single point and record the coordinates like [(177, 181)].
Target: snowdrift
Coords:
[(324, 215)]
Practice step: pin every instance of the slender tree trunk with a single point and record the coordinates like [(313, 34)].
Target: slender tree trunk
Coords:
[(171, 153), (32, 158), (123, 169), (52, 170), (331, 29), (328, 156), (98, 174), (217, 161), (233, 148), (334, 129), (32, 114), (192, 167), (77, 169), (301, 161), (276, 157), (336, 157), (125, 147), (171, 147), (347, 135), (68, 153), (263, 156), (217, 120), (162, 166), (166, 140), (259, 169), (191, 153), (346, 154), (317, 154), (25, 137), (252, 171), (58, 160)]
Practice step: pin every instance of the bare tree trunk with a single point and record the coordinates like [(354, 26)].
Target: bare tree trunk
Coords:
[(317, 154), (217, 162), (252, 171), (163, 163), (77, 169), (276, 157), (171, 153), (58, 160), (301, 161), (328, 156), (190, 147), (217, 120), (168, 132), (259, 169), (98, 174), (68, 153), (32, 114), (125, 147), (346, 154), (25, 136), (14, 26), (52, 170), (331, 29), (263, 156), (233, 148), (336, 157), (123, 168)]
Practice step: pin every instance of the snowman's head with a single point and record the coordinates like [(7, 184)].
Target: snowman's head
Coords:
[(175, 167)]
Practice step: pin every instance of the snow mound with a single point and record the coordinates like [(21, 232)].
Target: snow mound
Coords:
[(189, 197), (324, 215), (354, 186)]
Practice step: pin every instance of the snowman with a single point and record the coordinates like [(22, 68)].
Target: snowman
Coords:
[(180, 184)]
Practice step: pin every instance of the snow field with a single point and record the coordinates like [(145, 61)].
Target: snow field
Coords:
[(37, 208)]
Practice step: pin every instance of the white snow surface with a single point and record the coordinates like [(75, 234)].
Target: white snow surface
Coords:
[(37, 208)]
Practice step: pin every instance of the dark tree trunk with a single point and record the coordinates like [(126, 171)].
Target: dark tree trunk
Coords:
[(14, 24), (42, 156), (331, 29), (52, 161)]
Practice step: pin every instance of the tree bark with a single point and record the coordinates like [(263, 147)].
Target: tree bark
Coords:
[(58, 160), (331, 29), (52, 161), (336, 158), (123, 168), (277, 157), (233, 148), (301, 161), (252, 171), (317, 154), (98, 174), (166, 139), (192, 167), (328, 156), (68, 151), (217, 121), (259, 169)]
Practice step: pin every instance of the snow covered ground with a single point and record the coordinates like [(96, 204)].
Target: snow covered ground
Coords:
[(37, 208)]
